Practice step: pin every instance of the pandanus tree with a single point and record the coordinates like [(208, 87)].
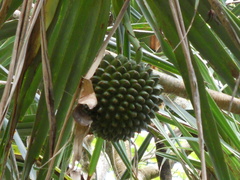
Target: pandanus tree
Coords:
[(66, 113)]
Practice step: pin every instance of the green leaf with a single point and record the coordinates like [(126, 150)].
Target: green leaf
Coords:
[(95, 156), (74, 60), (140, 153), (120, 148)]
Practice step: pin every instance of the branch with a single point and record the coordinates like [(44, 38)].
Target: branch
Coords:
[(175, 86), (148, 172)]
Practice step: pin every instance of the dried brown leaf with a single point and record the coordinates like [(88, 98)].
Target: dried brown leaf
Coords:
[(48, 86), (178, 19), (81, 116), (4, 9), (87, 95), (80, 133), (23, 34)]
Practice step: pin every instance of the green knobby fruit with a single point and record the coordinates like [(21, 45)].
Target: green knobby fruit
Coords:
[(128, 97)]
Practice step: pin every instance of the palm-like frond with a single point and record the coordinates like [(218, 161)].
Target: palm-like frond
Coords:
[(36, 112)]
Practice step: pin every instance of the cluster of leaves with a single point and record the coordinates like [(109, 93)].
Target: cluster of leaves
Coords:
[(46, 51)]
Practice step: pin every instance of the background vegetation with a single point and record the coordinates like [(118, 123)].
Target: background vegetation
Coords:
[(47, 47)]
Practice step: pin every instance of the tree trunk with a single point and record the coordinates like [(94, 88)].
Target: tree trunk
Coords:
[(164, 168)]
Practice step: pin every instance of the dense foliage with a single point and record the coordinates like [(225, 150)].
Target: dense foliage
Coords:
[(48, 49)]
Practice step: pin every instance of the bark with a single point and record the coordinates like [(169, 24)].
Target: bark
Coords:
[(148, 172), (164, 167)]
